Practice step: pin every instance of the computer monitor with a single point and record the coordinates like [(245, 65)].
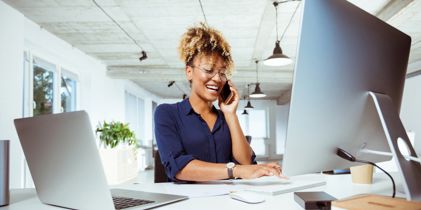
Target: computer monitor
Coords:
[(347, 90)]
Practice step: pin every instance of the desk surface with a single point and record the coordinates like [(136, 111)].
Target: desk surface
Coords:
[(339, 186)]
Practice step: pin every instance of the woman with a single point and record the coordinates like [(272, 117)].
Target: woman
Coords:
[(196, 141)]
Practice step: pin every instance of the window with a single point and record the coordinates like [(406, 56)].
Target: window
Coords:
[(255, 125), (68, 92), (47, 87), (135, 109), (244, 120), (43, 87)]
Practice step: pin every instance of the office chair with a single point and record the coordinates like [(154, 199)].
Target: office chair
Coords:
[(159, 170), (248, 139)]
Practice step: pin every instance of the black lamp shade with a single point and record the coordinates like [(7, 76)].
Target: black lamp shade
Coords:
[(245, 112), (277, 58), (249, 106), (257, 92)]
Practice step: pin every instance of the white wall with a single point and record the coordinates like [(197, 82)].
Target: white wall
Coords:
[(148, 99), (100, 96), (11, 74), (411, 109)]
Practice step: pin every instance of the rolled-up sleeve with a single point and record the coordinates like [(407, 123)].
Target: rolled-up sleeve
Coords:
[(171, 150), (253, 158)]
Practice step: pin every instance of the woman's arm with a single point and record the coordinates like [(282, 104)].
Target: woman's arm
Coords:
[(241, 149), (171, 149), (197, 170)]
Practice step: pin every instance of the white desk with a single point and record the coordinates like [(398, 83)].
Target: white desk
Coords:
[(339, 186)]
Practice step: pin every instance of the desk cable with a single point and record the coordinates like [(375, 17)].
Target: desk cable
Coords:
[(347, 156)]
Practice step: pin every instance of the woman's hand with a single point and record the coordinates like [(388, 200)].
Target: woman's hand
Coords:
[(232, 107), (256, 171)]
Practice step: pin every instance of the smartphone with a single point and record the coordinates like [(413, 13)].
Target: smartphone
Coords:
[(226, 94)]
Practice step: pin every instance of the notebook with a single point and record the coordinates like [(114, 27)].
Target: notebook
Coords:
[(65, 165)]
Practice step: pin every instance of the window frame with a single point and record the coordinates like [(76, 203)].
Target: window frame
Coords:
[(247, 121), (28, 83), (74, 77)]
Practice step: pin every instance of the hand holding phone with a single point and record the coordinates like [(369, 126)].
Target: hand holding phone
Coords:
[(226, 94)]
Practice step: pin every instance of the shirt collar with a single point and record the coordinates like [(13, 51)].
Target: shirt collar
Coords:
[(188, 109)]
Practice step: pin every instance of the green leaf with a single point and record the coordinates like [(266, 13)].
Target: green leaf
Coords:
[(115, 133)]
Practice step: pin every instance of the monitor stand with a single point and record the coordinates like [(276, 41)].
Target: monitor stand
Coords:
[(396, 136)]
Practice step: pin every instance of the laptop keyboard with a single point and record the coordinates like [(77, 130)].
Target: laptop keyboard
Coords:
[(123, 202)]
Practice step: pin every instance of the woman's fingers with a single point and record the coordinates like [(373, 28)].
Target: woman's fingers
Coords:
[(256, 171), (268, 171), (233, 88), (273, 164), (275, 169)]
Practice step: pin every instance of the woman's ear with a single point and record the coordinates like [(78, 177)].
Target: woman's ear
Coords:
[(189, 73)]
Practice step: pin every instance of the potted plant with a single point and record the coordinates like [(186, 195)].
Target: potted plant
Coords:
[(115, 133), (118, 151)]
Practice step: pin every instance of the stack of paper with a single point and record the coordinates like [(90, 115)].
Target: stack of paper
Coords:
[(270, 185)]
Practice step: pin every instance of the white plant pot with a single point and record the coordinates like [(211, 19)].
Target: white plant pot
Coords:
[(120, 164)]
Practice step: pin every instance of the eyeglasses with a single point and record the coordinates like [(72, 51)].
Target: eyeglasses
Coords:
[(210, 73)]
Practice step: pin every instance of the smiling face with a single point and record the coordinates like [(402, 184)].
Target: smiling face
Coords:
[(207, 76)]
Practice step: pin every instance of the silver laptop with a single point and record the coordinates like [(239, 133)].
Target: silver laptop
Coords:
[(66, 168)]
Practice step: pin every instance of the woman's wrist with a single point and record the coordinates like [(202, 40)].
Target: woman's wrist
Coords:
[(229, 115), (237, 171)]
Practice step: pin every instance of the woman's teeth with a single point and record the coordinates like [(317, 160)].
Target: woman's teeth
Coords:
[(212, 87)]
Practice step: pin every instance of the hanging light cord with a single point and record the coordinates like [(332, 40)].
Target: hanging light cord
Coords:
[(290, 20), (276, 20), (257, 71), (203, 12), (248, 91), (112, 19)]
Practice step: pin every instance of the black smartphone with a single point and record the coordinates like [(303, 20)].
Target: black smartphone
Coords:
[(226, 94)]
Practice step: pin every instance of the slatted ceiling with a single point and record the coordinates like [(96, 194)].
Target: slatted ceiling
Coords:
[(249, 26)]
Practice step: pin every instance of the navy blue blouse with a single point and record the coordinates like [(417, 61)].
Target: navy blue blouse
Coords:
[(182, 136)]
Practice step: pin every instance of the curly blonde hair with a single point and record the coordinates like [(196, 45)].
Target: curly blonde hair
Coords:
[(204, 40)]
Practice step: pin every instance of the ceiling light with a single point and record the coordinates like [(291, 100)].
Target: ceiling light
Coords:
[(278, 58), (245, 112), (143, 56), (248, 106), (171, 83), (257, 92)]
